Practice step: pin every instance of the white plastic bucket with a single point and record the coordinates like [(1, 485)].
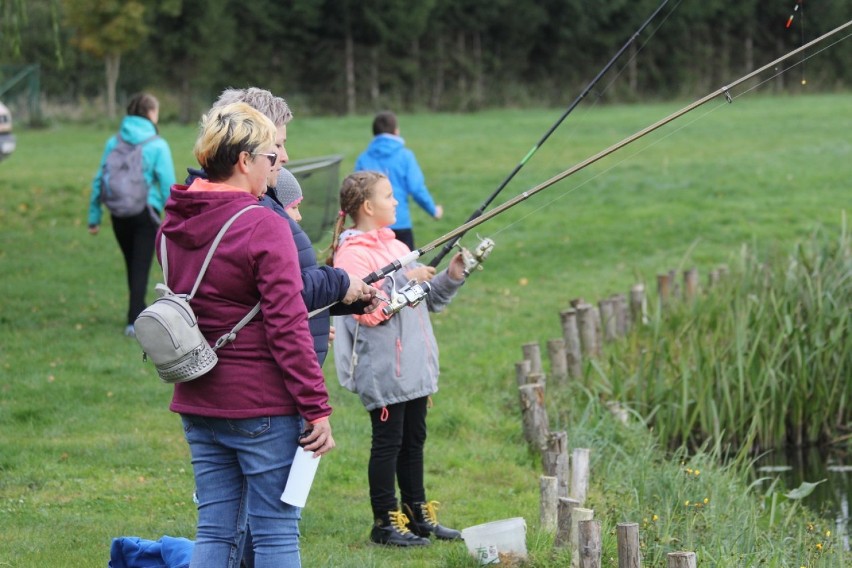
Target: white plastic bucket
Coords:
[(487, 541)]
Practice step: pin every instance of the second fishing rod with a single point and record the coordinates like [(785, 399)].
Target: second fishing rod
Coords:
[(449, 245)]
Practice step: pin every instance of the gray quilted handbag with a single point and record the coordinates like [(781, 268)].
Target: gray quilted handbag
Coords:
[(168, 330)]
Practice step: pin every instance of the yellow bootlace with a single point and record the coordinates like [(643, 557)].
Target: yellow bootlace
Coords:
[(430, 512), (399, 521)]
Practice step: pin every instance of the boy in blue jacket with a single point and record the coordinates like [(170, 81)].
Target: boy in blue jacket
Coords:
[(387, 154)]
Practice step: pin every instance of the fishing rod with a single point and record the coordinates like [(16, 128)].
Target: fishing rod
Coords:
[(415, 294), (452, 243), (462, 229)]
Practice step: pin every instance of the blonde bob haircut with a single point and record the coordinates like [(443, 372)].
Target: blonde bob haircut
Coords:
[(226, 132)]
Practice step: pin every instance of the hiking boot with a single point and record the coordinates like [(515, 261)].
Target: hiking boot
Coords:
[(424, 521), (390, 529)]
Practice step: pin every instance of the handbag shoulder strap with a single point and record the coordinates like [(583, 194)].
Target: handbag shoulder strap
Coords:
[(231, 335), (165, 259)]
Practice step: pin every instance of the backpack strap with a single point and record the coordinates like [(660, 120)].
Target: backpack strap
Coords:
[(231, 335)]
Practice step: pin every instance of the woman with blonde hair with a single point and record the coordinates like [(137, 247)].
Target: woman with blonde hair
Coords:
[(244, 418)]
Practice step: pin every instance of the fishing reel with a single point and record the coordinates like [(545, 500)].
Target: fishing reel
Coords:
[(409, 295), (473, 260)]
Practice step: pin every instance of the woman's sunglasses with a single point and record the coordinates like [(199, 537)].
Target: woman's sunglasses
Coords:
[(272, 156)]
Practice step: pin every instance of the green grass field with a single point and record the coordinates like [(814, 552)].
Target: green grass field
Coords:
[(89, 450)]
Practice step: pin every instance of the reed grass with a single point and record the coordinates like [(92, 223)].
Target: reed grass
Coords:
[(760, 361)]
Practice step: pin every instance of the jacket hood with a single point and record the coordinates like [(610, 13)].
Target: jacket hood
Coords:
[(194, 217), (385, 145), (136, 129), (368, 239)]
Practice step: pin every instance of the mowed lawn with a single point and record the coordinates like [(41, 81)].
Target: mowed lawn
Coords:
[(89, 450)]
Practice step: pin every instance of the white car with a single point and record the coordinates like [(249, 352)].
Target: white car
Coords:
[(7, 139)]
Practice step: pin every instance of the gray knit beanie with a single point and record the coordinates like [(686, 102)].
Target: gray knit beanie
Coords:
[(287, 189)]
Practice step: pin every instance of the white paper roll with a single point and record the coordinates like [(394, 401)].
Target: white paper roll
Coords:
[(301, 478)]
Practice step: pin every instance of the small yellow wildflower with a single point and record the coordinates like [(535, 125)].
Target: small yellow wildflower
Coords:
[(819, 546), (706, 500), (655, 518), (827, 533), (686, 503), (697, 472)]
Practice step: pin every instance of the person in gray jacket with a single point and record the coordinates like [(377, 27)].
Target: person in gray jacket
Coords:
[(391, 361)]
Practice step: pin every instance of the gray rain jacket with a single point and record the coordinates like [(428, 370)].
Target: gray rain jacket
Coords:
[(397, 360)]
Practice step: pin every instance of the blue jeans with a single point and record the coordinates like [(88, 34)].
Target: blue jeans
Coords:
[(241, 468)]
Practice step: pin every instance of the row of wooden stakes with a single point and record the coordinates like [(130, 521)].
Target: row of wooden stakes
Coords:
[(564, 485), (586, 327), (563, 489)]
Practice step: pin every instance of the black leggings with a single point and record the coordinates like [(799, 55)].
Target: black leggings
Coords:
[(397, 451), (135, 236), (405, 236)]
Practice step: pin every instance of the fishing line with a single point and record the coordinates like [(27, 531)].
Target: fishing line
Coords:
[(794, 65), (662, 138)]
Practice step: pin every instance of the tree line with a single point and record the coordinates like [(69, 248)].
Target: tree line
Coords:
[(348, 56)]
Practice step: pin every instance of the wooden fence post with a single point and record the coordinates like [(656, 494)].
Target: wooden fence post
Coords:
[(534, 414), (673, 282), (586, 325), (579, 474), (532, 353), (522, 371), (681, 560), (578, 514), (571, 335), (558, 362), (628, 545), (690, 284), (663, 289), (564, 514), (549, 499), (608, 323), (622, 321), (589, 543), (638, 305), (555, 461)]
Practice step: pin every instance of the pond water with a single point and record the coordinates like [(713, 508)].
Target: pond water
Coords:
[(831, 499)]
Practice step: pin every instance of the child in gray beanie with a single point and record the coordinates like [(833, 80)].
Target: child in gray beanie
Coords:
[(288, 192)]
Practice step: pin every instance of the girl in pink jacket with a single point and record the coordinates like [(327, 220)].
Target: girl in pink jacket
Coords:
[(391, 361)]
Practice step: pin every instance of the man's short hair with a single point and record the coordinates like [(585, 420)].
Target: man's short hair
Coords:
[(275, 108), (384, 123)]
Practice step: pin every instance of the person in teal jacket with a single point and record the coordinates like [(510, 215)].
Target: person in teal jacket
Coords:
[(136, 234), (387, 154)]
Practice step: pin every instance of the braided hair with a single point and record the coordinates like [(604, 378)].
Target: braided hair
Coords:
[(356, 188)]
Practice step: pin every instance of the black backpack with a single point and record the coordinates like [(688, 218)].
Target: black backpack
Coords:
[(124, 190)]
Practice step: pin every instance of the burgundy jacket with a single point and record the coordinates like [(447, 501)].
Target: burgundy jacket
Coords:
[(271, 369)]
